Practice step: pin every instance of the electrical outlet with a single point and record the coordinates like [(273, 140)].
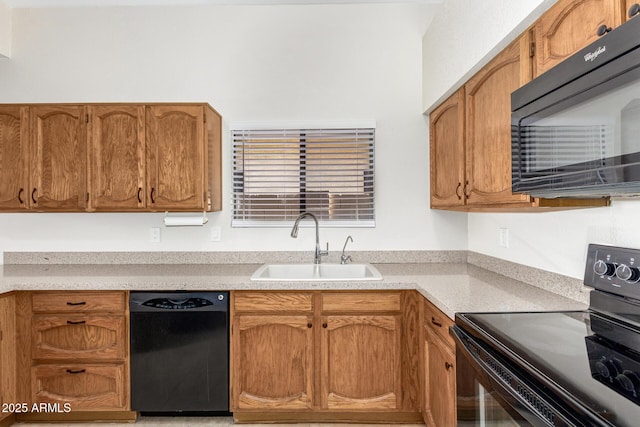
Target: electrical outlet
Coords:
[(154, 235), (216, 234), (504, 237)]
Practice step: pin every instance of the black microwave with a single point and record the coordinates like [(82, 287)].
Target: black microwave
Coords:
[(576, 128)]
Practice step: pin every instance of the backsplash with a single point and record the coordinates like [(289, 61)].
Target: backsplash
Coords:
[(258, 257)]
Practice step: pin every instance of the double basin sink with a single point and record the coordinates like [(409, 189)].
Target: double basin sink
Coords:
[(316, 273)]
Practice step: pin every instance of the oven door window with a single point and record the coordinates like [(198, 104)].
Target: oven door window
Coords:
[(494, 393), (481, 405)]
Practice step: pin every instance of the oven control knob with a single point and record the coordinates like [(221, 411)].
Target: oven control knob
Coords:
[(628, 274), (629, 381), (607, 368), (602, 268)]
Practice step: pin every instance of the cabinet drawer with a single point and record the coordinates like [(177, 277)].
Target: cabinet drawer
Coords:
[(74, 302), (78, 337), (82, 386), (273, 301), (438, 322), (361, 302)]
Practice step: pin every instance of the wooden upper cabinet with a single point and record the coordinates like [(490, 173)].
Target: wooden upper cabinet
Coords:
[(446, 133), (488, 125), (14, 161), (59, 158), (117, 157), (176, 151), (570, 25), (110, 157)]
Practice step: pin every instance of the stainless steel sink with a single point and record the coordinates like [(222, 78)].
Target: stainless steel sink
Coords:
[(316, 273)]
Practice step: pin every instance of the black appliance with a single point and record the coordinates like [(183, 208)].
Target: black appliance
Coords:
[(576, 128), (179, 352), (574, 368)]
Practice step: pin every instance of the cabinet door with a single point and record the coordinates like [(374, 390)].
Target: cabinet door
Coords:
[(354, 347), (83, 387), (488, 120), (175, 155), (272, 362), (8, 350), (117, 152), (59, 153), (440, 376), (569, 26), (78, 337), (446, 140), (14, 161)]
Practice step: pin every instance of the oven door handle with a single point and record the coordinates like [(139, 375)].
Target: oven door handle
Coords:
[(506, 383)]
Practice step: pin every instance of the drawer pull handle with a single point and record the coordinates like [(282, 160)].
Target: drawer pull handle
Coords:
[(79, 322), (79, 371), (435, 322), (309, 325), (76, 303), (448, 365)]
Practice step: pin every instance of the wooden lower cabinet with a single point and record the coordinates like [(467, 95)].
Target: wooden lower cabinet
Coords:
[(322, 356), (439, 369), (7, 353), (440, 395), (274, 357), (361, 362), (74, 355), (92, 387)]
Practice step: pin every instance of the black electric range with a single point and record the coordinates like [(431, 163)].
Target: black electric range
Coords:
[(576, 368)]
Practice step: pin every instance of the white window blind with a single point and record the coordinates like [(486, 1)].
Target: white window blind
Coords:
[(279, 173)]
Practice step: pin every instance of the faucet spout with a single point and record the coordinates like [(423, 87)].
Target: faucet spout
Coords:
[(294, 233)]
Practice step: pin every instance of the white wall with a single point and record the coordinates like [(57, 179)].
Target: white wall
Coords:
[(5, 30), (252, 63), (553, 241), (465, 35)]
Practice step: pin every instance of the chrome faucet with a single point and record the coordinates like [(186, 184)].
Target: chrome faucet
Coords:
[(345, 259), (294, 233)]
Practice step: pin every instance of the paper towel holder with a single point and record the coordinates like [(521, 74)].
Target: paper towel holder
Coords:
[(185, 220)]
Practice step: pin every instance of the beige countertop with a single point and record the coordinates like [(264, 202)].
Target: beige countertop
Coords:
[(451, 287)]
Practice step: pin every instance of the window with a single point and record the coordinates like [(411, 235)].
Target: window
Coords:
[(279, 173)]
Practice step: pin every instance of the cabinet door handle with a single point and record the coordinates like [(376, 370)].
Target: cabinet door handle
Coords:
[(139, 194), (309, 325), (634, 9), (324, 325), (464, 191), (153, 195), (435, 322), (20, 196), (458, 192), (33, 195), (76, 303), (79, 371), (602, 30), (448, 365), (77, 322)]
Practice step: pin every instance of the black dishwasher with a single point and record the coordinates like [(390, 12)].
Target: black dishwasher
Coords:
[(179, 352)]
